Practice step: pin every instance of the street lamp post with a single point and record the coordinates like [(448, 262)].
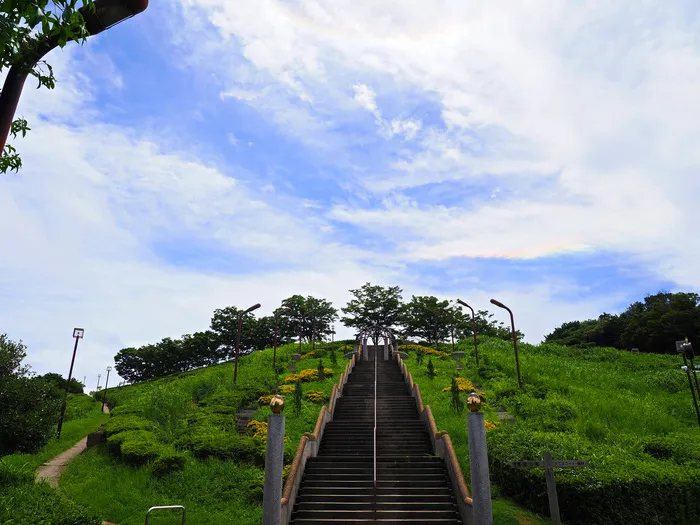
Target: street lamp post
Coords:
[(104, 392), (515, 339), (97, 388), (238, 338), (476, 347), (78, 334), (106, 14), (274, 350)]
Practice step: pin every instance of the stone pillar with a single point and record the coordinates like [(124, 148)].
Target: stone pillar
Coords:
[(274, 462), (365, 355), (386, 349), (479, 469)]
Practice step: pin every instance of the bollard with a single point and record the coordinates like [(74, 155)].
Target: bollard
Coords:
[(365, 355), (386, 349), (478, 462), (274, 462)]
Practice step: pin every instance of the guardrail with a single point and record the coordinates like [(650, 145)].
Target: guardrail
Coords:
[(443, 448), (165, 507)]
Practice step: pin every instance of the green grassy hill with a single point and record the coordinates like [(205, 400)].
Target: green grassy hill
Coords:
[(173, 441), (630, 415)]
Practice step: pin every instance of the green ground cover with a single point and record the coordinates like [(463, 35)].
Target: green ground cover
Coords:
[(22, 501), (629, 414), (173, 440)]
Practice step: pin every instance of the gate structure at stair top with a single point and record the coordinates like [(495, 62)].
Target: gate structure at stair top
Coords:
[(376, 333)]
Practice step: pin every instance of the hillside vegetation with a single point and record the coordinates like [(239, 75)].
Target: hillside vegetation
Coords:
[(629, 414), (173, 440)]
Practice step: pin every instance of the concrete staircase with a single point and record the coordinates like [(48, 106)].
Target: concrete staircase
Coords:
[(412, 483)]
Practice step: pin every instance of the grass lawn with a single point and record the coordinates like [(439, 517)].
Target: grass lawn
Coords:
[(629, 414), (192, 414)]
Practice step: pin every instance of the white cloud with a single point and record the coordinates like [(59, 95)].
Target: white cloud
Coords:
[(366, 98)]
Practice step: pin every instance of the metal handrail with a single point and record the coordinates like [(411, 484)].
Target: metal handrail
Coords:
[(165, 507), (375, 419)]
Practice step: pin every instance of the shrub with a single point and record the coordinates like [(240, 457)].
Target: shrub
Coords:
[(307, 375), (117, 424), (679, 448), (316, 397), (140, 448), (226, 446), (431, 369), (265, 400), (257, 429), (320, 372), (30, 408), (286, 390), (334, 357), (167, 463), (463, 384)]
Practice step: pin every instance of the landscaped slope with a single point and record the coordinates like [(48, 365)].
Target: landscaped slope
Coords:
[(629, 414), (174, 441)]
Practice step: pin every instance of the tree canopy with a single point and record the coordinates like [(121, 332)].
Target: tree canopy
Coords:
[(652, 325), (373, 306), (24, 26)]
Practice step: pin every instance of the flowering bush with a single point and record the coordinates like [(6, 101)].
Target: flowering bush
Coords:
[(258, 430), (264, 400), (489, 425), (312, 354), (463, 384), (286, 390), (305, 376), (316, 397), (424, 349)]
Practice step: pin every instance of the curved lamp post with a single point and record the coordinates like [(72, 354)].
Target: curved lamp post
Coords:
[(476, 348), (238, 338), (107, 13), (104, 392), (515, 338)]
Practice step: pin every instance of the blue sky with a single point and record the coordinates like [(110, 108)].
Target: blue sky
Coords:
[(217, 152)]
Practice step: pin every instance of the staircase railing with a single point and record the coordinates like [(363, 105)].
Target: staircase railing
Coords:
[(375, 420)]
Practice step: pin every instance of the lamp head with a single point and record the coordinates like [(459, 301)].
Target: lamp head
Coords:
[(108, 13)]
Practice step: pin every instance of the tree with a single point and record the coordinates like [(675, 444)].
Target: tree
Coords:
[(224, 324), (427, 318), (29, 404), (309, 317), (372, 308), (25, 25), (76, 387), (457, 322)]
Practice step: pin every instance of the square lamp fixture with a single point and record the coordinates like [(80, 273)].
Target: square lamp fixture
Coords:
[(78, 333)]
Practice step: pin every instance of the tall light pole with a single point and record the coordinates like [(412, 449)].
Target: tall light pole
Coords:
[(476, 347), (104, 392), (515, 339), (106, 14), (78, 334), (98, 382), (238, 338)]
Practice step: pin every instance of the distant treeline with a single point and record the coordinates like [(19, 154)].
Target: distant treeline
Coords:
[(309, 319), (653, 325)]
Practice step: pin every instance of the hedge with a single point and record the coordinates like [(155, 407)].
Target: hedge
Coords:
[(616, 487)]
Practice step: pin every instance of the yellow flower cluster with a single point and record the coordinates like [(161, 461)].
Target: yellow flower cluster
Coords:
[(310, 374), (489, 425), (258, 429), (463, 384), (346, 348), (264, 400), (424, 349), (316, 397), (286, 390), (314, 353)]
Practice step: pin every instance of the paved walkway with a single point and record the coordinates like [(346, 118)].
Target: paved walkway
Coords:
[(52, 469)]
